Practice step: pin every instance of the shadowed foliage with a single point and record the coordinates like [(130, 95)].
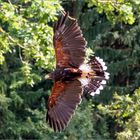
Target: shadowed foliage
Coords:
[(27, 55)]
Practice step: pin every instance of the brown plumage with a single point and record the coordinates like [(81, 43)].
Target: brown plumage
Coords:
[(72, 75)]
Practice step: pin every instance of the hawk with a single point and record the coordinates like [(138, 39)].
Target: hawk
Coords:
[(72, 75)]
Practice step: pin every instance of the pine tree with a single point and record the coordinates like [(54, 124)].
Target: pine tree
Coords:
[(26, 55)]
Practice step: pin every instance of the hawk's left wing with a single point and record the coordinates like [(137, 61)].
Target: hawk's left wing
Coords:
[(62, 103)]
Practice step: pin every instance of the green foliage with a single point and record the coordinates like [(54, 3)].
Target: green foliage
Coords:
[(26, 52), (117, 10), (125, 111), (118, 44), (24, 26), (27, 55)]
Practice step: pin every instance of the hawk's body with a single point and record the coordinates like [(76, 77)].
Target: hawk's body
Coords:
[(66, 74), (72, 75)]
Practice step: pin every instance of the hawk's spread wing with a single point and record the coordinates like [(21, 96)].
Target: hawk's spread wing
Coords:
[(69, 43), (62, 103)]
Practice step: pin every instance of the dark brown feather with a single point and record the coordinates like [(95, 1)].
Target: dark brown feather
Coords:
[(64, 103), (69, 45), (67, 41)]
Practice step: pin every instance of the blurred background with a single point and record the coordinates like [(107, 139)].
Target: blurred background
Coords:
[(112, 29)]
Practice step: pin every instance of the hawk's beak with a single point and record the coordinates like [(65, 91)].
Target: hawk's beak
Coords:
[(48, 76)]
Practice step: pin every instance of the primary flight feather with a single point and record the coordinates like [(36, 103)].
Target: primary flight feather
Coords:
[(71, 75)]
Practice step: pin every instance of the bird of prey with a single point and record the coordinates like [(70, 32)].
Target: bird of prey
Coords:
[(72, 74)]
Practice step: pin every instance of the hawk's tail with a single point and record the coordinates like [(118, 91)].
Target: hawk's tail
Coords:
[(94, 75)]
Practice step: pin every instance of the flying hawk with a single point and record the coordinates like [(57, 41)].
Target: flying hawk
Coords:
[(72, 75)]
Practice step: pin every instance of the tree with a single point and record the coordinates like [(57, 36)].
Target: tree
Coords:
[(113, 34), (125, 111), (117, 41), (26, 55)]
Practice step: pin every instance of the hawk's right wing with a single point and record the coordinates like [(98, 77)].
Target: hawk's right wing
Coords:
[(69, 43)]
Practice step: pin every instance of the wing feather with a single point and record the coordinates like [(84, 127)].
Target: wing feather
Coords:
[(68, 39), (62, 103)]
